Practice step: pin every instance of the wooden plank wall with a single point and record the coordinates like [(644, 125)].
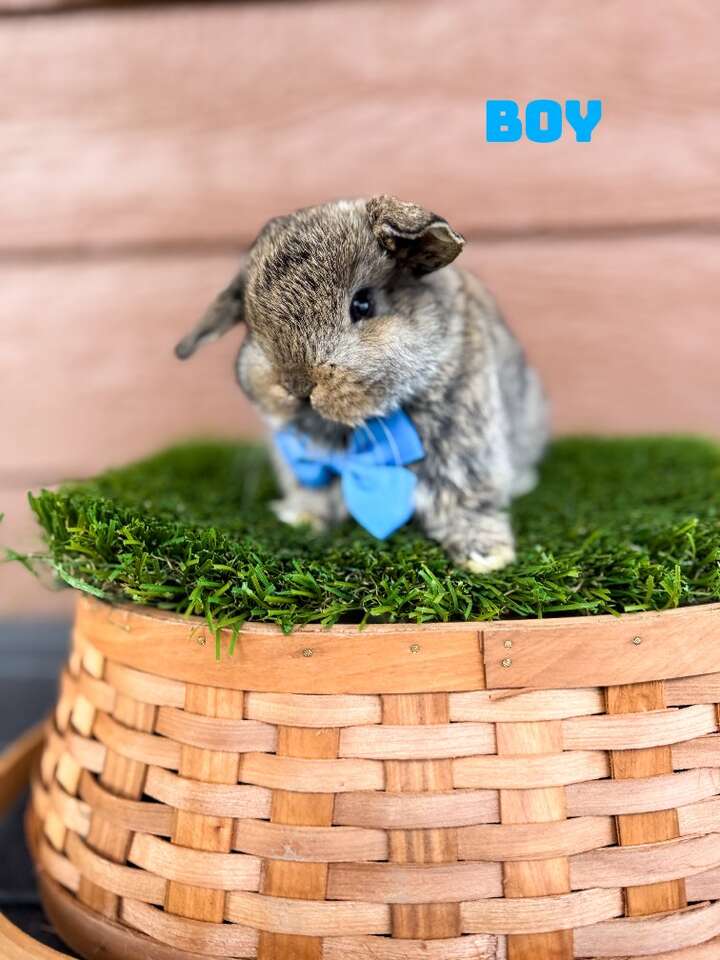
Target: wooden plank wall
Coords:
[(141, 148)]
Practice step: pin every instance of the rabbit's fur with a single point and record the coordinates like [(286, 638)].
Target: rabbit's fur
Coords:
[(437, 347)]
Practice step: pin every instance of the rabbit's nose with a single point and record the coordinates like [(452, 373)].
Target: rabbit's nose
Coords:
[(298, 384)]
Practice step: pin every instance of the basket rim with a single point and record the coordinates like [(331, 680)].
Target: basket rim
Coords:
[(563, 652), (345, 630)]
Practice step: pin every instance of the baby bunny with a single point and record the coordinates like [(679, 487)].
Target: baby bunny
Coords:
[(354, 313)]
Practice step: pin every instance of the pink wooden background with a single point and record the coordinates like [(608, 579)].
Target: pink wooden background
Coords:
[(141, 148)]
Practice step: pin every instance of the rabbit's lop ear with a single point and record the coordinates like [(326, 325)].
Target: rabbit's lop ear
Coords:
[(419, 240), (226, 310)]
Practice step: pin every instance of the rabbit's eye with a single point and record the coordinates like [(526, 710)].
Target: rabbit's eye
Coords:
[(362, 305)]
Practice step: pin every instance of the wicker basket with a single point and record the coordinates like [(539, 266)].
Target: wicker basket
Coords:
[(531, 790)]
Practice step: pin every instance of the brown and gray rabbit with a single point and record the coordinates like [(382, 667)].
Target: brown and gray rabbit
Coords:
[(353, 312)]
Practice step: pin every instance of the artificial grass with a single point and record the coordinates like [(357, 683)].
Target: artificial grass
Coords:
[(616, 525)]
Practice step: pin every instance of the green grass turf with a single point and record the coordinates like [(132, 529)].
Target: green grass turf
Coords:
[(615, 525)]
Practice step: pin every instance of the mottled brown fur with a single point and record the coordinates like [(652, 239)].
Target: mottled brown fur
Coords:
[(437, 347)]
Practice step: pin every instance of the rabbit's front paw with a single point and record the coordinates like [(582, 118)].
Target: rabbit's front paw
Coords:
[(481, 542), (496, 557), (296, 513)]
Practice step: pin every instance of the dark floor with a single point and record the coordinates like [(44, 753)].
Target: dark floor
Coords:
[(30, 657)]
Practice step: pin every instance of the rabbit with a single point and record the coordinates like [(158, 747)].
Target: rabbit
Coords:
[(353, 311)]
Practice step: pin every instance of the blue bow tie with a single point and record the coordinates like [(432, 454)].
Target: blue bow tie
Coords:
[(377, 488)]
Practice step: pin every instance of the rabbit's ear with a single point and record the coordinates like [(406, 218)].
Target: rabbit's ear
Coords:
[(226, 310), (419, 240)]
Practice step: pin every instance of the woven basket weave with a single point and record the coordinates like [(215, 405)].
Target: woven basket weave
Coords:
[(530, 791)]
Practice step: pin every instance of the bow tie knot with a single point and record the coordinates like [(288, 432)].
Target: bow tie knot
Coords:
[(377, 487)]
